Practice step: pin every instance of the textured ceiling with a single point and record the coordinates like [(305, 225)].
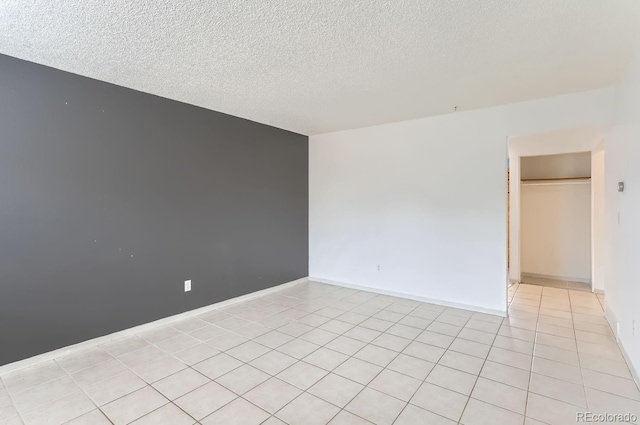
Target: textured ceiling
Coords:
[(315, 66)]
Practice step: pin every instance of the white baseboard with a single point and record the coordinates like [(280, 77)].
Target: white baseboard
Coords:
[(502, 313), (51, 355), (613, 324)]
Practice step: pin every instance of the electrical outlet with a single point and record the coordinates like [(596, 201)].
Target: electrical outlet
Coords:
[(187, 285), (378, 268)]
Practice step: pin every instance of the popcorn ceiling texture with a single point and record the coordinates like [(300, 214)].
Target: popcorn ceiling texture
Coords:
[(319, 66)]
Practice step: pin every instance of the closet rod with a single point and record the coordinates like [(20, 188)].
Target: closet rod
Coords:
[(549, 182)]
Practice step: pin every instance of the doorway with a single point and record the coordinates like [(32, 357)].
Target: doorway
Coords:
[(569, 162), (555, 220)]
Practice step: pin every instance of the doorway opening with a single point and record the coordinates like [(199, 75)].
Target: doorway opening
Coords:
[(556, 209)]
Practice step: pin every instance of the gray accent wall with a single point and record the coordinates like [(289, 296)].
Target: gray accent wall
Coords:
[(110, 198)]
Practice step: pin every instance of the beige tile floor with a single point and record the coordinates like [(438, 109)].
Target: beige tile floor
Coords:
[(320, 354), (556, 283)]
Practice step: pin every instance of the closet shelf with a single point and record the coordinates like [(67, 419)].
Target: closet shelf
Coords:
[(547, 182)]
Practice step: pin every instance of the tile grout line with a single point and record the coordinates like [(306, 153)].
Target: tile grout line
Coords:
[(535, 341)]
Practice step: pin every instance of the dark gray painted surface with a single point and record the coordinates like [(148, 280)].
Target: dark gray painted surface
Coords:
[(111, 198)]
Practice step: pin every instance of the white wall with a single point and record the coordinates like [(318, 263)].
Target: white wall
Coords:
[(622, 163), (426, 199), (598, 223), (556, 230)]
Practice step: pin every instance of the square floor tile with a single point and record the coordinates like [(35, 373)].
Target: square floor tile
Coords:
[(8, 411), (295, 329), (358, 370), (551, 411), (376, 324), (413, 415), (319, 336), (60, 411), (346, 418), (272, 395), (226, 341), (302, 375), (441, 401), (177, 343), (556, 354), (345, 345), (557, 370), (424, 351), (180, 383), (352, 318), (377, 355), (95, 417), (152, 372), (411, 366), (217, 365), (298, 348), (611, 384), (167, 414), (248, 351), (207, 333), (436, 339), (143, 356), (508, 375), (243, 379), (395, 384), (501, 395), (362, 334), (196, 354), (404, 331), (335, 389), (416, 322), (307, 410), (452, 379), (95, 374), (238, 412), (113, 388), (336, 326), (189, 325), (205, 400), (42, 394), (326, 359), (376, 407), (391, 342), (82, 360), (124, 345), (601, 402), (32, 376), (510, 358), (558, 389), (444, 328), (471, 348), (273, 339), (463, 362), (313, 320), (480, 413), (252, 330), (273, 362), (133, 406)]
